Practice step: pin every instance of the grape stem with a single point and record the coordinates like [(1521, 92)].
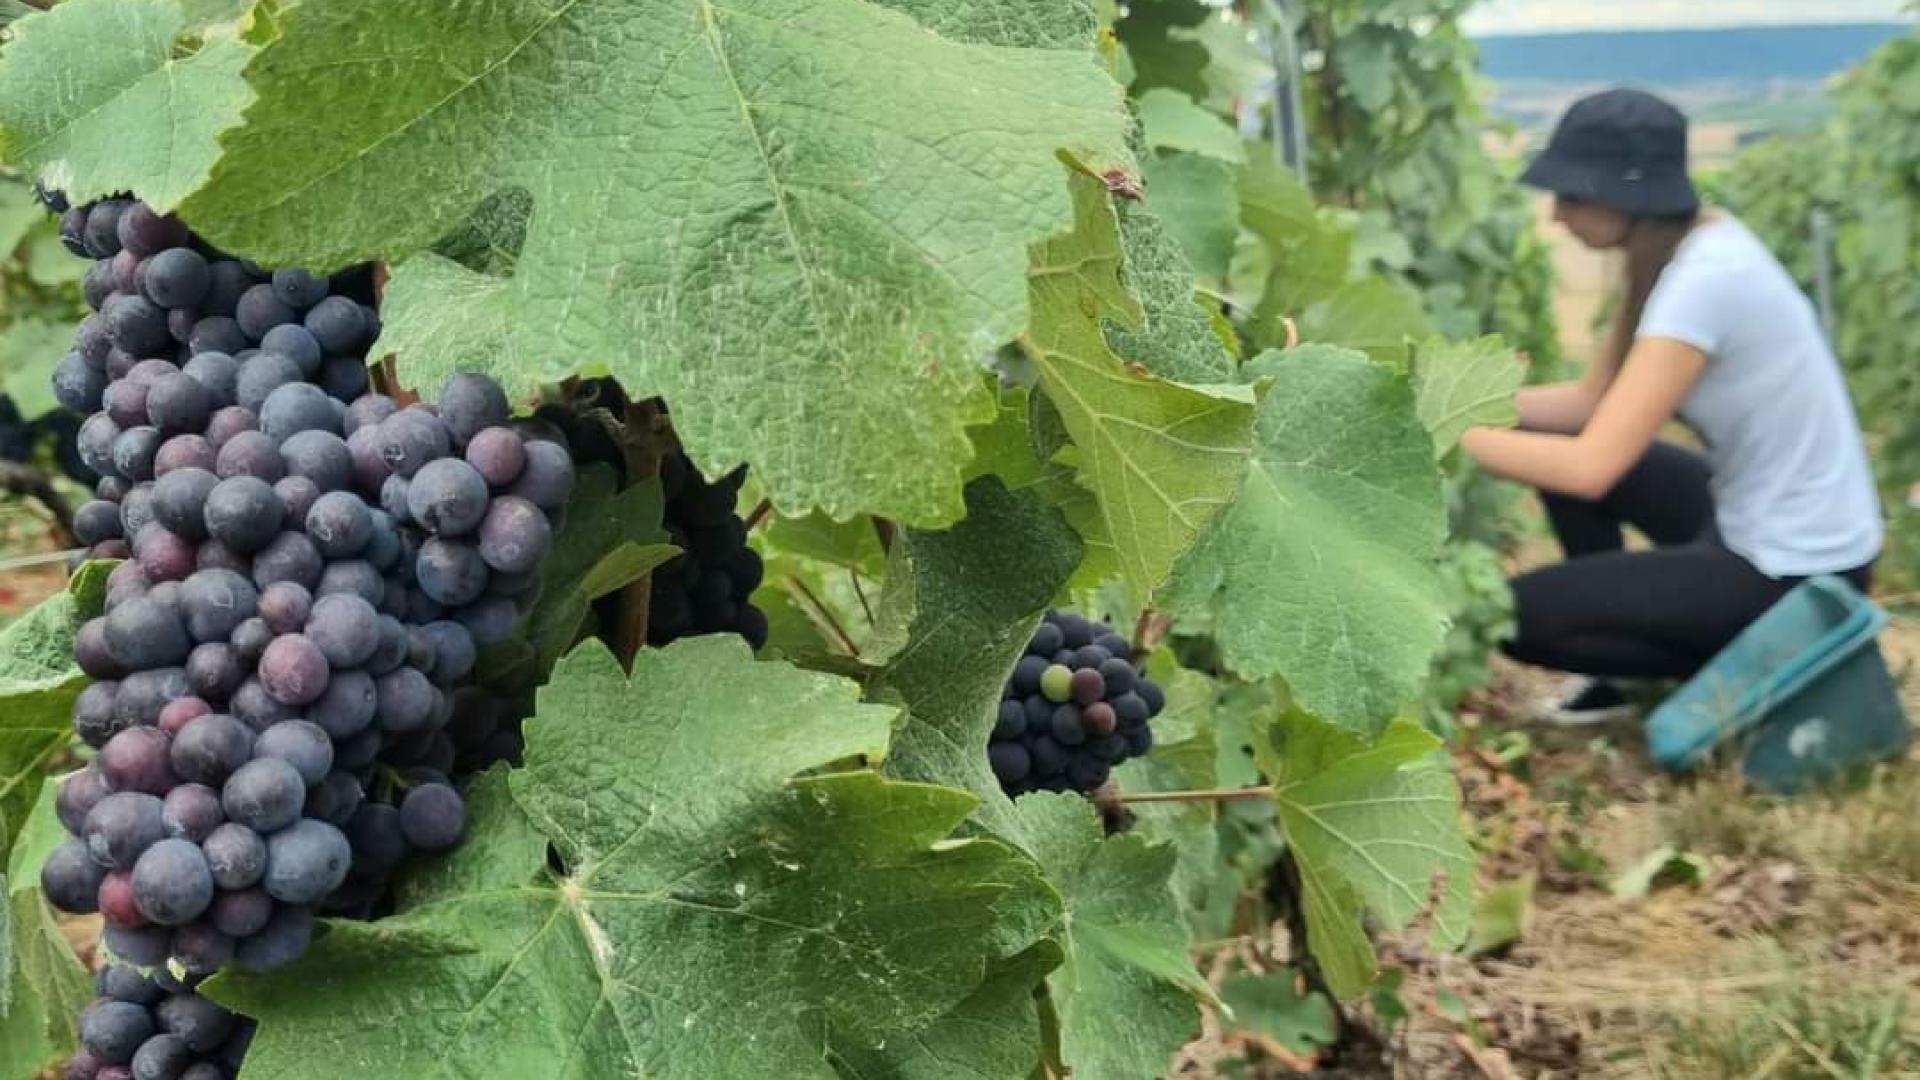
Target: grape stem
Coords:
[(825, 616), (859, 593), (762, 511), (1214, 795), (22, 479)]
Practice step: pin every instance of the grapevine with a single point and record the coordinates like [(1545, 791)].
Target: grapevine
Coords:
[(581, 502)]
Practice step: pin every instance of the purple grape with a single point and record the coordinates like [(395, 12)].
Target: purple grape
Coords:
[(143, 634), (216, 603), (243, 513), (344, 627), (450, 572), (260, 309), (228, 422), (250, 453), (290, 557), (236, 857), (265, 795), (498, 454), (410, 439), (514, 535), (340, 524), (210, 748), (191, 812), (138, 759), (547, 478), (284, 938), (320, 456), (121, 826), (299, 743), (177, 277), (260, 375), (469, 402), (77, 794), (71, 879), (215, 671), (310, 858), (184, 452), (339, 325), (294, 670), (433, 817), (285, 606)]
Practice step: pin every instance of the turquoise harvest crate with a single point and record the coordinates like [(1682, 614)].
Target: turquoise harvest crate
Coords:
[(1803, 693)]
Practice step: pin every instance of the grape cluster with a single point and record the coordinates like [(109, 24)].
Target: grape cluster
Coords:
[(1075, 707), (308, 581), (182, 351), (708, 589), (142, 1027)]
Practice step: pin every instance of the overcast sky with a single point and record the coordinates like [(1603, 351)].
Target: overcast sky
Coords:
[(1515, 16)]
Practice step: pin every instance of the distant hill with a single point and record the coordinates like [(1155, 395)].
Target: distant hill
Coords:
[(1671, 58)]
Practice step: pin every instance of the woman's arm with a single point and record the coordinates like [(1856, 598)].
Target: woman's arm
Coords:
[(1562, 407), (1652, 383)]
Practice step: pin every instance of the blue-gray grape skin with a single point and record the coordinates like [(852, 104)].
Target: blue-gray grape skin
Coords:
[(244, 911), (514, 535), (179, 502), (250, 452), (112, 1031), (451, 571), (243, 513), (300, 743), (297, 407), (236, 857), (216, 603), (306, 861), (144, 634), (447, 497), (191, 812), (340, 524), (410, 439), (320, 456), (259, 310), (338, 324), (121, 827), (294, 670), (171, 882), (265, 795), (70, 877), (278, 943)]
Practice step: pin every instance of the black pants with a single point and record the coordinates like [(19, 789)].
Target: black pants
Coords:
[(1647, 614)]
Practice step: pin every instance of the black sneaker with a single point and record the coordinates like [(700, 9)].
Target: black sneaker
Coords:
[(1592, 701)]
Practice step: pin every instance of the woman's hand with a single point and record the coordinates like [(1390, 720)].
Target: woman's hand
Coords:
[(1655, 379)]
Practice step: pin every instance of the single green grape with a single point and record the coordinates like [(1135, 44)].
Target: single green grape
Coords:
[(1057, 682)]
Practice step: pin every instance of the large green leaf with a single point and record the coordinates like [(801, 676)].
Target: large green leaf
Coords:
[(802, 222), (1372, 315), (1194, 196), (38, 683), (715, 916), (1171, 121), (95, 100), (1160, 458), (1322, 570), (29, 349), (977, 591), (611, 538), (1125, 995), (1458, 385), (1179, 341), (1307, 258), (993, 1035), (1160, 41), (1370, 826), (42, 984)]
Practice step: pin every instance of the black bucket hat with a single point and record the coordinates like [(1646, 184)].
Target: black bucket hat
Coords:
[(1621, 148)]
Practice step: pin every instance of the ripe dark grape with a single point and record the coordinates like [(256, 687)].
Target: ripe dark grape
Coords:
[(143, 633), (243, 912), (243, 512), (121, 826), (260, 309), (171, 882), (338, 324), (297, 407), (404, 700), (179, 501), (470, 402), (144, 945), (280, 942), (260, 375), (135, 447), (352, 577), (447, 497), (265, 795), (433, 817), (91, 653), (216, 603), (340, 524), (71, 878), (298, 288), (112, 1031), (236, 857), (320, 456), (294, 670), (300, 743), (297, 495), (514, 535), (498, 454), (177, 277), (291, 556), (76, 795), (78, 385), (307, 860), (451, 572), (185, 452), (138, 759), (227, 423), (293, 341), (546, 479)]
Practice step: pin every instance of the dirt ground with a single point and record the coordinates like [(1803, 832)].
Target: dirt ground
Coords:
[(1782, 939)]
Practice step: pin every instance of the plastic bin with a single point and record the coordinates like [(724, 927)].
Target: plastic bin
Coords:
[(1804, 694)]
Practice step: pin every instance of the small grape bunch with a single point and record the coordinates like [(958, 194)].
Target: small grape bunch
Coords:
[(1075, 707), (141, 1026)]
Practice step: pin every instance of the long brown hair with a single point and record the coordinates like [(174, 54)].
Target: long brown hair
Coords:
[(1650, 246)]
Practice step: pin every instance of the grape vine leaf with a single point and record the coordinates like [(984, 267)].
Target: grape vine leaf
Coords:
[(1051, 24), (1171, 121), (1126, 992), (978, 590), (29, 349), (1372, 315), (1194, 196), (1183, 759), (798, 222), (19, 210), (94, 100), (1308, 258), (43, 986), (1160, 44), (1275, 1006), (1322, 569), (38, 683), (993, 1035), (709, 922), (1458, 385), (1160, 458), (1370, 825), (611, 538), (1179, 341)]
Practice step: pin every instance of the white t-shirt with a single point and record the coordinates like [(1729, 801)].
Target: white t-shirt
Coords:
[(1793, 492)]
